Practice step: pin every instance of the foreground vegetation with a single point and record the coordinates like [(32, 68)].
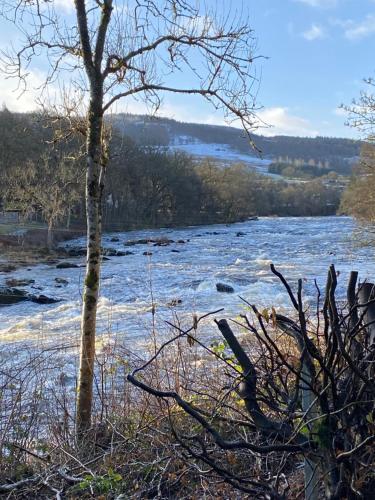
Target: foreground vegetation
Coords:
[(242, 416)]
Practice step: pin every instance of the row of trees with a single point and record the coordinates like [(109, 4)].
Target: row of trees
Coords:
[(297, 170), (154, 188), (146, 187)]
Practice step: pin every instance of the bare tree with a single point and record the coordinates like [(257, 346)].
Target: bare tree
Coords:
[(109, 51), (48, 187), (358, 198), (307, 387), (361, 112)]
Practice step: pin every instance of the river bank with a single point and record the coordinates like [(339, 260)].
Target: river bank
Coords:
[(28, 247)]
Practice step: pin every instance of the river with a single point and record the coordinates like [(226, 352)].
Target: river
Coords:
[(132, 284)]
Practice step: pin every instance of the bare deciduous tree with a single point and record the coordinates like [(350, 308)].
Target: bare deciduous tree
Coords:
[(307, 387), (48, 187), (361, 112), (358, 198), (106, 51)]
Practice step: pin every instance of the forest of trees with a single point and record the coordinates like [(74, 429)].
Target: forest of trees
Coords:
[(335, 153), (146, 186)]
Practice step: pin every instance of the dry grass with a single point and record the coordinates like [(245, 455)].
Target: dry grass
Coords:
[(139, 445)]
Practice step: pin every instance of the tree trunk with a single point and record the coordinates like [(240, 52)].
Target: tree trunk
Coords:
[(312, 473), (366, 293), (94, 189), (68, 219), (50, 236)]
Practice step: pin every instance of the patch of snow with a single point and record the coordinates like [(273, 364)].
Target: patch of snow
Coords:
[(223, 154)]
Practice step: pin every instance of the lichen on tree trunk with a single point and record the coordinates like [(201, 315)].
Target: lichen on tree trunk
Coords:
[(94, 187)]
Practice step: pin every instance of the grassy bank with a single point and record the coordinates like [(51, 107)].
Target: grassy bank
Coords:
[(25, 245)]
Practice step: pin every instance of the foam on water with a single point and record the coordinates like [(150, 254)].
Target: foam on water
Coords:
[(131, 286)]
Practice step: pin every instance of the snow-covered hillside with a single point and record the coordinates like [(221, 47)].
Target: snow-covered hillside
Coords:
[(223, 154), (228, 144)]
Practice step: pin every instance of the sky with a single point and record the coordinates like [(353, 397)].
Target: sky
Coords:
[(316, 54)]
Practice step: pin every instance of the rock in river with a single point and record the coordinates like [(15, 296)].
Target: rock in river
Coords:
[(222, 287), (109, 252), (9, 296), (13, 282), (61, 281), (131, 243), (42, 299), (163, 242), (66, 265), (174, 302), (112, 252), (7, 268), (77, 251)]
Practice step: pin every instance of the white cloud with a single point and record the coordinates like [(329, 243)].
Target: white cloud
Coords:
[(355, 31), (197, 112), (319, 3), (19, 98), (284, 123), (279, 119), (64, 5), (314, 33)]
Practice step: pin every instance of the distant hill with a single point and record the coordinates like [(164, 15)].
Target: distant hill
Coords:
[(334, 153)]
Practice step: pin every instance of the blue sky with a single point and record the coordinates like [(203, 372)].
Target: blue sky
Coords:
[(318, 52)]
